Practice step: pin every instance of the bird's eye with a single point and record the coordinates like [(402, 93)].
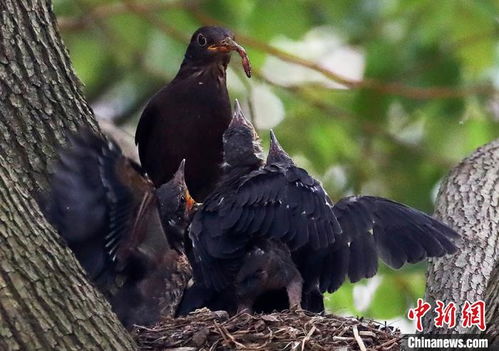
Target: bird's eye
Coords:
[(202, 40)]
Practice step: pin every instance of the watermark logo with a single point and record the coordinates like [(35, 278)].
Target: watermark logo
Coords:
[(472, 314), (445, 314), (418, 313)]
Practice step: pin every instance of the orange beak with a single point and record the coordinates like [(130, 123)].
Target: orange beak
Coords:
[(190, 203), (227, 45)]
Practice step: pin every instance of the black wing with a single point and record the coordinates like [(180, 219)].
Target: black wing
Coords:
[(375, 227), (97, 200), (271, 203)]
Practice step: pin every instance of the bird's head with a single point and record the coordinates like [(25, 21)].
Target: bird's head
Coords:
[(213, 44), (176, 206), (241, 142), (277, 155)]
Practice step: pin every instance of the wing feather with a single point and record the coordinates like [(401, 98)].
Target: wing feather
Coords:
[(95, 195), (376, 227), (270, 203)]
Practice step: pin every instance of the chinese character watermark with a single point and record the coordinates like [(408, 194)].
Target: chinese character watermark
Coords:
[(472, 314)]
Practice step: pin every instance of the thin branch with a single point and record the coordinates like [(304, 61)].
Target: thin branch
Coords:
[(71, 23), (147, 10), (367, 126), (393, 88), (337, 112), (144, 11)]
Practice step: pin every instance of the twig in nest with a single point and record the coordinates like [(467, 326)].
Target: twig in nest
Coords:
[(306, 338), (226, 335), (358, 339), (388, 345)]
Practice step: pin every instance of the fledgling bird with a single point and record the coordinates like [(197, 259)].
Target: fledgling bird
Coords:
[(127, 235), (242, 154), (253, 207), (264, 269), (186, 118)]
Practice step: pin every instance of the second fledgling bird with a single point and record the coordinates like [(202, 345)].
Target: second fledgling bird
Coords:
[(262, 208), (127, 235)]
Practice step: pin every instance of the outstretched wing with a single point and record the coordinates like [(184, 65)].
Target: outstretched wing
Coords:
[(97, 200), (271, 203), (376, 227)]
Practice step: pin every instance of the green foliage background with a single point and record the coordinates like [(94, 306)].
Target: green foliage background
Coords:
[(428, 95)]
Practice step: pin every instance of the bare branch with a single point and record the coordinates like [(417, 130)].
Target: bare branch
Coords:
[(147, 11), (393, 88)]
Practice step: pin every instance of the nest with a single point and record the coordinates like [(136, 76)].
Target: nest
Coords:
[(295, 330)]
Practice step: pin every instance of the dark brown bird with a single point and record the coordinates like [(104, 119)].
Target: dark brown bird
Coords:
[(186, 119), (127, 235), (267, 267), (256, 205)]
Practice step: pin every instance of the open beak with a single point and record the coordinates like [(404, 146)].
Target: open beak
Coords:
[(190, 204), (227, 45)]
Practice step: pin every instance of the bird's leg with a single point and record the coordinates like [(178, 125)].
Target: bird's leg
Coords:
[(294, 289)]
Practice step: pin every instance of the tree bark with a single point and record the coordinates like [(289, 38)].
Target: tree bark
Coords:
[(45, 300), (492, 305), (468, 202)]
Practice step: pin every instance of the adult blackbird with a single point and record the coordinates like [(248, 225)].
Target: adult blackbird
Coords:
[(186, 118), (255, 206), (127, 235)]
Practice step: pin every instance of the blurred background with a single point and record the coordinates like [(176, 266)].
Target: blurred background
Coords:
[(371, 97)]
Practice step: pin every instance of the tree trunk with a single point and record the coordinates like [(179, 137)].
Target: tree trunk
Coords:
[(468, 202), (492, 305), (45, 299)]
